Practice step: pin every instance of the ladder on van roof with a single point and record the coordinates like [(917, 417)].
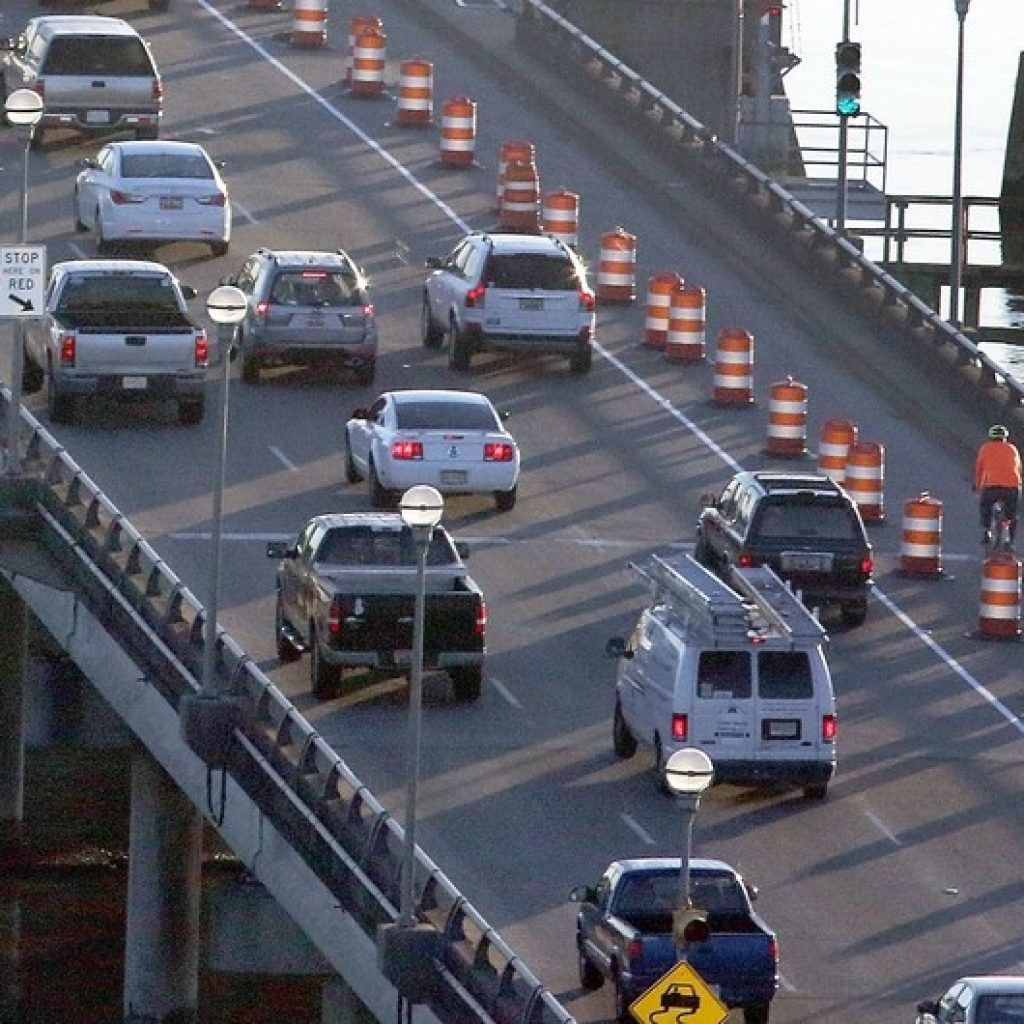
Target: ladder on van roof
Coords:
[(757, 604)]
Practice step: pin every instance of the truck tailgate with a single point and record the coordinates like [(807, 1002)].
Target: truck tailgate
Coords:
[(136, 352), (384, 622)]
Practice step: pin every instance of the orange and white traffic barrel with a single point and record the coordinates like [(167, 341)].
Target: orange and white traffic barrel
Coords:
[(616, 267), (359, 24), (415, 105), (999, 613), (921, 543), (833, 447), (369, 59), (513, 149), (560, 216), (458, 132), (865, 479), (520, 201), (734, 367), (684, 340), (309, 23), (660, 287), (787, 419)]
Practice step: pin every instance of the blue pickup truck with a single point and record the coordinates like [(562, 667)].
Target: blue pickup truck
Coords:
[(625, 933)]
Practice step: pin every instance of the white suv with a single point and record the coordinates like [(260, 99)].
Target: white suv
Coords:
[(509, 292)]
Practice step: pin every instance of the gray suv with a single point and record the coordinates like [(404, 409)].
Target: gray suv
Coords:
[(94, 73), (306, 309)]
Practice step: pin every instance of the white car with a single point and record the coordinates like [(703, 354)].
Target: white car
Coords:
[(153, 192), (977, 999), (453, 440)]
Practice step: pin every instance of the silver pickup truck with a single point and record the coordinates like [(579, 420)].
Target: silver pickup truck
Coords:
[(117, 328)]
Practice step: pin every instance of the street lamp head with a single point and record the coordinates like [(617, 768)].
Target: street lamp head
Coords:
[(688, 772), (961, 7), (226, 305), (24, 107), (421, 507)]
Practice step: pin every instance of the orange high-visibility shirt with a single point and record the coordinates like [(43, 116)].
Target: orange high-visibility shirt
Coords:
[(997, 465)]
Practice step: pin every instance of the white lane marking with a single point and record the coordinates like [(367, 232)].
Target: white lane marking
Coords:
[(504, 691), (283, 459), (883, 828), (78, 250), (638, 830), (237, 207)]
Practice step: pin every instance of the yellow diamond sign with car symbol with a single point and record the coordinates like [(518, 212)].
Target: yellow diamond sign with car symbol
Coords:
[(681, 996)]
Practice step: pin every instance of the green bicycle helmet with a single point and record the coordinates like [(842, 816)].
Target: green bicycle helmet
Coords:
[(998, 432)]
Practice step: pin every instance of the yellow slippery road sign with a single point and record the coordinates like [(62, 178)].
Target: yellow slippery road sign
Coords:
[(679, 997)]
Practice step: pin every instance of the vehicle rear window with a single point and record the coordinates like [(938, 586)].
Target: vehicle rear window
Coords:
[(164, 165), (118, 292), (723, 675), (818, 519), (444, 416), (784, 675), (367, 546), (530, 270), (97, 55), (315, 288), (647, 901)]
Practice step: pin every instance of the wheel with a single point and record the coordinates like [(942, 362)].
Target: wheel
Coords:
[(250, 368), (190, 411), (219, 248), (622, 1014), (35, 141), (380, 496), (702, 553), (854, 612), (149, 131), (430, 332), (103, 245), (466, 683), (159, 5), (756, 1014), (80, 225), (32, 377), (286, 650), (459, 352), (351, 472), (590, 977), (659, 767), (366, 373), (60, 407), (816, 792), (623, 741), (505, 501), (323, 675), (580, 362)]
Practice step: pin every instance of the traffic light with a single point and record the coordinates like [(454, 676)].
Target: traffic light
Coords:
[(848, 79)]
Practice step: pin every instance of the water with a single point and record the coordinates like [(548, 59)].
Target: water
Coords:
[(908, 82)]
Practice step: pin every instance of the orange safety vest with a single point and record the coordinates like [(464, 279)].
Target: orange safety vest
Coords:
[(997, 465)]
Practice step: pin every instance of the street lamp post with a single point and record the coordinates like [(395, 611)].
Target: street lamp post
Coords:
[(956, 256), (421, 507), (24, 108), (688, 772)]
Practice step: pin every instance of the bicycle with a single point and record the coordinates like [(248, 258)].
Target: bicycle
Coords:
[(1000, 529)]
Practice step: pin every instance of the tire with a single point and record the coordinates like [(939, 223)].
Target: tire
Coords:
[(854, 612), (190, 411), (103, 245), (323, 676), (80, 226), (32, 377), (622, 1014), (505, 501), (151, 131), (219, 248), (756, 1013), (623, 741), (250, 368), (35, 142), (580, 362), (659, 767), (466, 683), (159, 5), (380, 496), (591, 978), (365, 374), (286, 651), (431, 334), (60, 407), (459, 352), (702, 553), (351, 472), (819, 791)]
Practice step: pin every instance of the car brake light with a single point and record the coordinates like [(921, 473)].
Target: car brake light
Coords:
[(202, 349), (828, 728), (475, 296), (746, 560), (368, 311), (40, 87), (335, 617), (67, 350), (587, 300), (498, 451), (406, 450), (158, 89), (680, 727), (261, 310), (119, 198), (773, 950), (218, 199), (634, 949), (480, 625), (866, 565), (316, 275)]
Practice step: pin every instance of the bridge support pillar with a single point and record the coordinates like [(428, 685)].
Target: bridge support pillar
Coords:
[(161, 968), (13, 662)]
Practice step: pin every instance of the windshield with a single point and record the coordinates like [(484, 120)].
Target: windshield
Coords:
[(165, 165)]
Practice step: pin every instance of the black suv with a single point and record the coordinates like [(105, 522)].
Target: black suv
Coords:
[(805, 526)]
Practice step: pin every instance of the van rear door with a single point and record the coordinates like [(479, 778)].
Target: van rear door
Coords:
[(792, 696), (723, 717)]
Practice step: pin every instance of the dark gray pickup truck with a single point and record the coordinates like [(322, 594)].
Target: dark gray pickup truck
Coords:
[(346, 593)]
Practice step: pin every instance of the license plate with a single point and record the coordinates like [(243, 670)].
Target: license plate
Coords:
[(806, 561), (97, 116), (782, 729), (531, 303), (133, 383), (170, 202), (311, 320), (453, 476)]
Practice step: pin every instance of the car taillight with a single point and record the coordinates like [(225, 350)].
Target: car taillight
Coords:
[(40, 87), (745, 560), (202, 349), (587, 300), (828, 728), (866, 566), (499, 451), (680, 727), (368, 311), (261, 310), (67, 350), (406, 450), (634, 949), (158, 89), (773, 950), (119, 198), (336, 617), (480, 625), (218, 199), (475, 296)]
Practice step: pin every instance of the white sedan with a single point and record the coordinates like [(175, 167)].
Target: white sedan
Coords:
[(153, 192), (453, 440)]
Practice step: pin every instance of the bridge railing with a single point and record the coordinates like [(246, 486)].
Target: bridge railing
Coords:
[(303, 787)]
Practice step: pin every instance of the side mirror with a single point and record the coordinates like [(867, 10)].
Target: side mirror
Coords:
[(582, 894), (462, 548), (280, 549), (434, 262), (752, 891), (504, 414), (188, 291), (360, 414), (708, 499), (616, 648)]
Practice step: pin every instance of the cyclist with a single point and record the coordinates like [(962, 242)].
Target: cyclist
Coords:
[(997, 476)]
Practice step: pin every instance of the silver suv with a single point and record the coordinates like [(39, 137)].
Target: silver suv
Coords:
[(94, 73), (509, 292), (306, 308)]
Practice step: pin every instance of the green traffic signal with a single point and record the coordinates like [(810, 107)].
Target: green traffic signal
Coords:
[(848, 79)]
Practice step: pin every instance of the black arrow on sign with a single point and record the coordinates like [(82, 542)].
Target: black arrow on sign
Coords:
[(26, 304)]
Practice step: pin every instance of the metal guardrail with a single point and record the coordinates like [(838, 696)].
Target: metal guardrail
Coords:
[(344, 835), (808, 234)]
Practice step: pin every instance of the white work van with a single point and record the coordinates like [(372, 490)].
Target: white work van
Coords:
[(737, 671)]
